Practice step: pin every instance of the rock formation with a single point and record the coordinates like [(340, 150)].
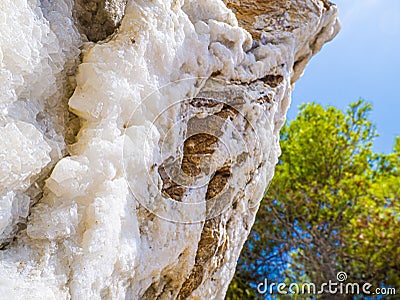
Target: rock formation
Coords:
[(138, 137)]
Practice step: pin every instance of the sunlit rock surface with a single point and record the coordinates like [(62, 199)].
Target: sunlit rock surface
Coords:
[(39, 50), (145, 186)]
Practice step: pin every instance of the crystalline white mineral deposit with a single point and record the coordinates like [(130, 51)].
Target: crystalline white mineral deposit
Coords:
[(89, 234)]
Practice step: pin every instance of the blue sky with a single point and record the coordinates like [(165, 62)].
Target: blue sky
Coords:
[(362, 61)]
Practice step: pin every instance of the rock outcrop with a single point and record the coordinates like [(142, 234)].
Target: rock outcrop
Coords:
[(146, 185)]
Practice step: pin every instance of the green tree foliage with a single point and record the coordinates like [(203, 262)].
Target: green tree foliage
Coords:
[(333, 206)]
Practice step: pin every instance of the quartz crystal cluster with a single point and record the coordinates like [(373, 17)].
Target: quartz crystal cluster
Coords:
[(39, 50), (138, 137)]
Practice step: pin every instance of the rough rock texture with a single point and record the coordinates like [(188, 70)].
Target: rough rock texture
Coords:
[(97, 19), (39, 51), (178, 112)]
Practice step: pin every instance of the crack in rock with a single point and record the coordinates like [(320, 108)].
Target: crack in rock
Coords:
[(98, 19)]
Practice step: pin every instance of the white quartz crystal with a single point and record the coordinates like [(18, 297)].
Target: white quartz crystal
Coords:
[(102, 228), (38, 49)]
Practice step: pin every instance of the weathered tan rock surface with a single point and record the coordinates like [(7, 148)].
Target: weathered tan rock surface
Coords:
[(146, 186)]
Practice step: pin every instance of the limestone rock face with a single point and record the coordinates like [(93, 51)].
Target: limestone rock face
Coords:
[(146, 185)]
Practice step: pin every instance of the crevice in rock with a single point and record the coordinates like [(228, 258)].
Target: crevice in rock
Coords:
[(170, 189), (196, 147), (98, 19), (209, 245), (218, 182), (72, 127), (327, 4), (213, 244), (206, 248)]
